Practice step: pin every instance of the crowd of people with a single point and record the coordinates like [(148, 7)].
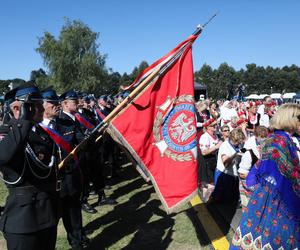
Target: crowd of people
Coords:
[(39, 130), (229, 134), (248, 156)]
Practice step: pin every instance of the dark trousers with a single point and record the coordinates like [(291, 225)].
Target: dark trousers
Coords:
[(96, 169), (72, 219), (86, 183), (41, 240), (108, 155), (226, 188)]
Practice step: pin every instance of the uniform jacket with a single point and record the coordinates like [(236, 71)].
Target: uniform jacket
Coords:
[(33, 202), (71, 172)]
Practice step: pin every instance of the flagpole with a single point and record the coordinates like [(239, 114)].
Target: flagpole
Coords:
[(210, 19), (156, 73), (100, 127), (159, 71)]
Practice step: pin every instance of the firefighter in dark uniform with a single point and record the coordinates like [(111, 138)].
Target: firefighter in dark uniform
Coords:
[(87, 111), (94, 155), (95, 150), (72, 178), (29, 167), (87, 123), (109, 151)]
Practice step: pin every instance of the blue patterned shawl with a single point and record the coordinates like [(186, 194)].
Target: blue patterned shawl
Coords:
[(279, 165)]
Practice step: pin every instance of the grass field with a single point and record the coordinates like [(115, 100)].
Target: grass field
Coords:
[(138, 221)]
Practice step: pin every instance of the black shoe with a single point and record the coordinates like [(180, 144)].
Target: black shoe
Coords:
[(88, 208), (107, 201), (85, 242)]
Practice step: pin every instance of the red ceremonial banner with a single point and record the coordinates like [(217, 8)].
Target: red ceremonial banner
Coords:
[(159, 130)]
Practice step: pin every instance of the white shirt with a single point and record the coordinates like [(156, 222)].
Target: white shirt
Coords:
[(246, 161), (227, 114), (261, 109), (207, 141), (228, 150), (46, 121), (250, 143), (264, 120)]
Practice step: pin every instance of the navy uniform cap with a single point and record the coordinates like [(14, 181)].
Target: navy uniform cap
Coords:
[(110, 98), (82, 95), (87, 98), (69, 95), (103, 97), (92, 97), (26, 92), (50, 95)]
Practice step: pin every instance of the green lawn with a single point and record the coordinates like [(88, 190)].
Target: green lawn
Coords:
[(138, 221)]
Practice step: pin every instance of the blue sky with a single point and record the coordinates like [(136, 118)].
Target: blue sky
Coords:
[(265, 32)]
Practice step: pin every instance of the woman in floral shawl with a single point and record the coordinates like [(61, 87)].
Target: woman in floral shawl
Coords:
[(272, 218)]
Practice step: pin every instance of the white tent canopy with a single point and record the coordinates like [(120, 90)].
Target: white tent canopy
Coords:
[(252, 96), (288, 95), (275, 96), (262, 96)]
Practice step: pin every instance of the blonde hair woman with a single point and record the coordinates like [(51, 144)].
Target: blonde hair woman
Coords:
[(286, 118), (272, 219)]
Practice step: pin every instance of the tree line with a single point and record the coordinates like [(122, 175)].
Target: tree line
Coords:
[(257, 79), (73, 61)]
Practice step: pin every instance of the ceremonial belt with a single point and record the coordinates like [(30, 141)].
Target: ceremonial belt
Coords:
[(84, 121), (23, 190), (100, 114), (57, 138)]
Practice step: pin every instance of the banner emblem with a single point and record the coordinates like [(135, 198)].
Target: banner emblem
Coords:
[(175, 131)]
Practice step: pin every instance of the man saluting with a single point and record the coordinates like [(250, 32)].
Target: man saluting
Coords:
[(28, 163)]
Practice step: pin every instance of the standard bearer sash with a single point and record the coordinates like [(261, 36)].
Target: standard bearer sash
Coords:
[(100, 114), (84, 121), (57, 138)]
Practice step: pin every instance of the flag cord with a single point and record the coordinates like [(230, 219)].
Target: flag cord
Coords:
[(171, 106)]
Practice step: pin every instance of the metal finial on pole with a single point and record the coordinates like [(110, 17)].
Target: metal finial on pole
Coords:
[(201, 27), (209, 20)]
